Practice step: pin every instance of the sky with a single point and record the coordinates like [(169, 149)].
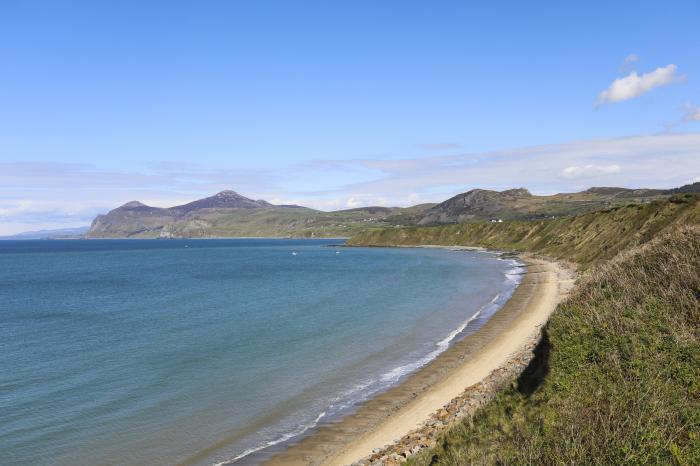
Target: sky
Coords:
[(338, 104)]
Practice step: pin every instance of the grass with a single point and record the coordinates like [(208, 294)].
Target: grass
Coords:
[(616, 379), (622, 383), (585, 239)]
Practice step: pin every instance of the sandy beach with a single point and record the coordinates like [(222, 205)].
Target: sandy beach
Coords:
[(404, 408)]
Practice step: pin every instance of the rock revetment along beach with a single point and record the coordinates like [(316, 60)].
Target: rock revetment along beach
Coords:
[(407, 418)]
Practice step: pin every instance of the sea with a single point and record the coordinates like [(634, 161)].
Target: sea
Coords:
[(209, 352)]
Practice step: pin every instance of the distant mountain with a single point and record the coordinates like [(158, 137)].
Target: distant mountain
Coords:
[(482, 204), (688, 188), (135, 218), (223, 200), (50, 234), (229, 214), (477, 203)]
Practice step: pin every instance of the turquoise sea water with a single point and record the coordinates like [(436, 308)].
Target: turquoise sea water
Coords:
[(129, 352)]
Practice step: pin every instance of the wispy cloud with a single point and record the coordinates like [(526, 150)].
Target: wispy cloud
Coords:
[(692, 113), (651, 161), (589, 171), (635, 85), (439, 145), (36, 195), (629, 62), (40, 195)]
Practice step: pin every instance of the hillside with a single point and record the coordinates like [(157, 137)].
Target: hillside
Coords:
[(520, 204), (585, 238), (229, 214), (688, 188), (616, 376)]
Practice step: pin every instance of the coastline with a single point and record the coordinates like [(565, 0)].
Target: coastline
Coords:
[(409, 406)]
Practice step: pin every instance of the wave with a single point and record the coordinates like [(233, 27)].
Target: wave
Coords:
[(370, 387), (398, 372), (515, 274), (298, 431)]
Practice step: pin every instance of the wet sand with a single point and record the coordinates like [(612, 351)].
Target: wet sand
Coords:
[(396, 412)]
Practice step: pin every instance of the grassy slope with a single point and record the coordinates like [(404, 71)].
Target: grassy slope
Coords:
[(585, 238), (622, 382), (278, 222), (533, 207), (618, 376)]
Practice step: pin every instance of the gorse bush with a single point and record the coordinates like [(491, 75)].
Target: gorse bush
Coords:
[(622, 384)]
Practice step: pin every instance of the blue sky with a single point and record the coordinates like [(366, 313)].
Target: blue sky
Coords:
[(338, 104)]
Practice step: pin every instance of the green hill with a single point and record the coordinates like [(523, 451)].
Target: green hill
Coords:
[(616, 379), (584, 239), (520, 204), (228, 214), (622, 364)]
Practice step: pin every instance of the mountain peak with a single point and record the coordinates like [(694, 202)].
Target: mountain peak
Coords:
[(227, 199), (134, 205), (227, 193)]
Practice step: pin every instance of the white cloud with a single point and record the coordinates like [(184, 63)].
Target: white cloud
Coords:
[(650, 161), (279, 201), (39, 195), (692, 113), (629, 62), (353, 202), (24, 214), (589, 171), (631, 58), (44, 209), (634, 85), (364, 200)]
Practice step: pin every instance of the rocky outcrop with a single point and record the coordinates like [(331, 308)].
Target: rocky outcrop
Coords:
[(474, 204)]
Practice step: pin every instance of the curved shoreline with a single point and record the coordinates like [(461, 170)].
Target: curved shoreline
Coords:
[(404, 408)]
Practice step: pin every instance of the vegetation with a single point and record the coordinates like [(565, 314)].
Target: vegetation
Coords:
[(616, 379), (585, 239), (622, 365), (239, 222), (229, 214), (520, 204)]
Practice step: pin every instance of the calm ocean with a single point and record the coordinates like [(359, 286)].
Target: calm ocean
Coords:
[(131, 352)]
